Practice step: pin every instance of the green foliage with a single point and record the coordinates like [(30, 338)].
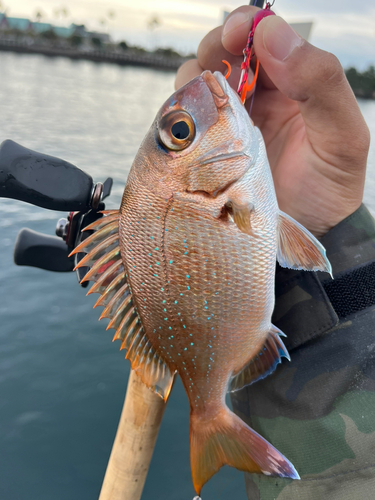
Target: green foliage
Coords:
[(168, 52), (76, 40), (49, 35), (123, 45), (363, 84), (97, 43), (139, 50)]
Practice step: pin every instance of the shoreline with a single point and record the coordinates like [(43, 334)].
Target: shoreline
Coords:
[(128, 58)]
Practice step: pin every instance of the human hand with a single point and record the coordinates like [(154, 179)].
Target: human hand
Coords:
[(317, 140)]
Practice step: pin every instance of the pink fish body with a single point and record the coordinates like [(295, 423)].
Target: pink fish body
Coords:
[(186, 268)]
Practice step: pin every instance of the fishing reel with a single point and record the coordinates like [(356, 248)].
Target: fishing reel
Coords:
[(55, 184)]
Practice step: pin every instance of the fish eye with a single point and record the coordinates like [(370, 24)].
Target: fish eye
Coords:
[(176, 130)]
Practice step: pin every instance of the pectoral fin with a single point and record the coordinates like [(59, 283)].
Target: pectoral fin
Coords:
[(298, 248), (241, 214)]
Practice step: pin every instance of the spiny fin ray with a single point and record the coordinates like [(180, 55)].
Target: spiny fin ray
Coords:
[(96, 238), (111, 290), (107, 271)]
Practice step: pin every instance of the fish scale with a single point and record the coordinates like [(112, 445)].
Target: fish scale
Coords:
[(193, 258), (186, 269)]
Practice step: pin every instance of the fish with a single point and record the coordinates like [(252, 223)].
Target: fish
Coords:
[(185, 268)]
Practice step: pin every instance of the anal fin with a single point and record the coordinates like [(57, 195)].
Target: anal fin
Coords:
[(298, 248), (264, 363)]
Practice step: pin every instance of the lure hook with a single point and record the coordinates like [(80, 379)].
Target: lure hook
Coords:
[(227, 74)]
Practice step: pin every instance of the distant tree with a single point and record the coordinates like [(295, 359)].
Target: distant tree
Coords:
[(368, 82), (153, 23), (140, 50), (353, 77), (123, 45), (49, 35), (61, 12), (168, 52), (363, 84), (76, 40), (39, 15), (97, 43)]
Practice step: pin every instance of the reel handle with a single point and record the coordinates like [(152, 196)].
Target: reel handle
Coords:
[(43, 180), (42, 251)]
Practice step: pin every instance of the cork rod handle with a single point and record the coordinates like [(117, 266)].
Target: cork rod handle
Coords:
[(134, 443)]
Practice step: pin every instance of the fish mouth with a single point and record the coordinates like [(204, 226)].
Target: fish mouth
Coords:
[(217, 89)]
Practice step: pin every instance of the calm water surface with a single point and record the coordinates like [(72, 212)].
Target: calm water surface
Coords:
[(62, 381)]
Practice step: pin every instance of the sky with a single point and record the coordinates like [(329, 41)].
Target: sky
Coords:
[(340, 26)]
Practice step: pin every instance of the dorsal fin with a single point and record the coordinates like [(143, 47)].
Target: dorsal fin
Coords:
[(108, 272)]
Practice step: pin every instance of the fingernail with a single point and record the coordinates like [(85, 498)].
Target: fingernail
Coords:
[(279, 38), (234, 21)]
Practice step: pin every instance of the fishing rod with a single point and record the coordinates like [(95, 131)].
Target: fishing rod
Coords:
[(257, 3)]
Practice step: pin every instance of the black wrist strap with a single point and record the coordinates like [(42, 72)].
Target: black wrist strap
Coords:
[(352, 291)]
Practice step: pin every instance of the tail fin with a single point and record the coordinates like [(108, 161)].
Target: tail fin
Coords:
[(226, 439)]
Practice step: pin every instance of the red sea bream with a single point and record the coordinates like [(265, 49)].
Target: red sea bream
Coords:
[(186, 268)]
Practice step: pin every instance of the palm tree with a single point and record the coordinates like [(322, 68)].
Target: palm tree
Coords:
[(153, 23), (38, 15)]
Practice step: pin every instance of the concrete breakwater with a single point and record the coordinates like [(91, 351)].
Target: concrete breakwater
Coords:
[(126, 57)]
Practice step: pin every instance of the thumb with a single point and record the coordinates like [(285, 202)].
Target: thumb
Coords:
[(316, 80)]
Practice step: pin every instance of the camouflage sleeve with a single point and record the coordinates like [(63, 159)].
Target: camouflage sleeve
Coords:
[(319, 409)]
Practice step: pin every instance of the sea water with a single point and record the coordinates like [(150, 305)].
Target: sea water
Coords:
[(62, 381)]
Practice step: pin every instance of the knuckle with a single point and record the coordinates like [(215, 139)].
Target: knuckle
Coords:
[(363, 140), (330, 70)]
